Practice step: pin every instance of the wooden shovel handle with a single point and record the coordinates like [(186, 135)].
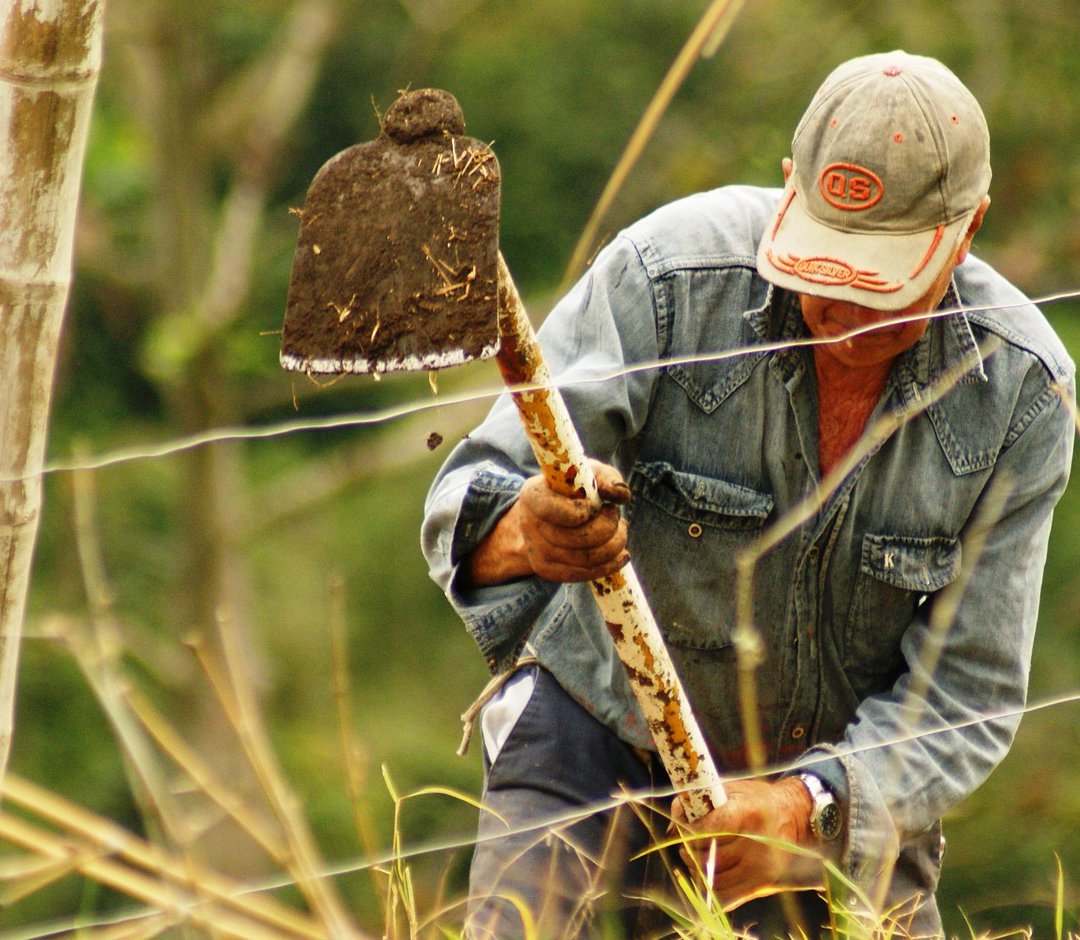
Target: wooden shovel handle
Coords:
[(622, 602)]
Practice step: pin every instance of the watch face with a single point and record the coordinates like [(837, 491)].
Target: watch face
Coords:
[(829, 822)]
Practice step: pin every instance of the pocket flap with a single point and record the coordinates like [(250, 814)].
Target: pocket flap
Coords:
[(698, 497), (913, 564)]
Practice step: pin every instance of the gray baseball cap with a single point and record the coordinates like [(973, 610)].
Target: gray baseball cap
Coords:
[(891, 161)]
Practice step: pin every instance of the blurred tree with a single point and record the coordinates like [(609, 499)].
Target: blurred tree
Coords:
[(212, 96)]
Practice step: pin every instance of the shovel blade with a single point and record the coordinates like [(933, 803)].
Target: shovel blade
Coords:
[(395, 265)]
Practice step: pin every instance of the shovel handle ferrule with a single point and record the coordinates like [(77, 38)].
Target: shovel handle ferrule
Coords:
[(637, 638)]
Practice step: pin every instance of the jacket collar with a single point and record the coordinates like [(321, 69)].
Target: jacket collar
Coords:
[(947, 341)]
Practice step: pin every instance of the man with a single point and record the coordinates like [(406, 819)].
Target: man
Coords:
[(896, 620)]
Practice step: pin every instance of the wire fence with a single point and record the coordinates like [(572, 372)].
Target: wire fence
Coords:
[(99, 851), (386, 415), (194, 897)]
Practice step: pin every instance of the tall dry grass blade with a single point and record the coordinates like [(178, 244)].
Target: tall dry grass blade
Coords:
[(169, 899), (97, 650), (238, 700), (943, 615), (706, 38), (203, 777), (343, 701), (947, 604), (746, 638), (109, 837), (146, 929), (24, 876), (1070, 403)]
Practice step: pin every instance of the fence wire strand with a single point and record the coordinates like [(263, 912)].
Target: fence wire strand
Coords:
[(174, 446), (359, 864)]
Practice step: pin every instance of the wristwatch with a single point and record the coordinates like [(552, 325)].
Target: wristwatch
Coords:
[(826, 819)]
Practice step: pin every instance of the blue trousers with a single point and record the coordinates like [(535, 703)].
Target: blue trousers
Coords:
[(556, 850)]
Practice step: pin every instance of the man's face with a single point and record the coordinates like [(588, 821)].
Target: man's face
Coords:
[(827, 319)]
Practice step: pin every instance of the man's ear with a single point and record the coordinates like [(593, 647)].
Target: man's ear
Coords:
[(973, 227), (787, 165)]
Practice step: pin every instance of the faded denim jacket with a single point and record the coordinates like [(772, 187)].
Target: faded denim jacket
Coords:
[(897, 620)]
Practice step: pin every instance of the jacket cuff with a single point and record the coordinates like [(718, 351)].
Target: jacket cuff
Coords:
[(499, 617), (870, 844), (490, 494)]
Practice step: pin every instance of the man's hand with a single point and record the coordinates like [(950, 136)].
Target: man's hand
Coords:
[(555, 537), (777, 812)]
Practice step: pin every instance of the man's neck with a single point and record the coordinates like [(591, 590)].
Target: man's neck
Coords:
[(847, 397)]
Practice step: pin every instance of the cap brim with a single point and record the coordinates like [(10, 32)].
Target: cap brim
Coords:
[(881, 270)]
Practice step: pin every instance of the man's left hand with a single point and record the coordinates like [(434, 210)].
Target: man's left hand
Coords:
[(776, 814)]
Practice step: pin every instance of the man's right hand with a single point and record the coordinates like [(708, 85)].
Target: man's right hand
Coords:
[(555, 537)]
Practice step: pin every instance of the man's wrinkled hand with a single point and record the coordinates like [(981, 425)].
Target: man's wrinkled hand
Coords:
[(775, 814), (555, 537), (570, 539)]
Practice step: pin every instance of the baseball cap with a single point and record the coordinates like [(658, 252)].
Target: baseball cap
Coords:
[(891, 161)]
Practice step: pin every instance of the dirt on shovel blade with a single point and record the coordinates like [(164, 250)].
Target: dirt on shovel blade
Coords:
[(396, 260)]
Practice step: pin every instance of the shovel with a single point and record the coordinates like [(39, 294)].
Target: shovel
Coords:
[(397, 266)]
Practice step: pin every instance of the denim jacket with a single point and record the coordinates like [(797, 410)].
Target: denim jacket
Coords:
[(897, 620)]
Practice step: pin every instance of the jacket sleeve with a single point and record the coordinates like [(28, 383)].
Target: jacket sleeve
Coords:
[(604, 323), (915, 751)]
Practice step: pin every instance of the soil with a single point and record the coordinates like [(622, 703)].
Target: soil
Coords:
[(396, 259)]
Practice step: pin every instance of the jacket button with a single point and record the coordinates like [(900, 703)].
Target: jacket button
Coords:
[(797, 732), (694, 531)]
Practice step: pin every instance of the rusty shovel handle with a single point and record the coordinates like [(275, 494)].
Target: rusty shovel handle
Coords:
[(622, 602)]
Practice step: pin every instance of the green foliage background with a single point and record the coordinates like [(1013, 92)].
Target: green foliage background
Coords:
[(558, 86)]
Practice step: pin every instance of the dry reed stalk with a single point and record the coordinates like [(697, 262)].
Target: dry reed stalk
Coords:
[(145, 929), (205, 780), (948, 601), (238, 701), (706, 38), (98, 661), (108, 837), (343, 701), (1070, 403), (747, 639), (943, 615), (165, 897), (96, 648), (28, 874)]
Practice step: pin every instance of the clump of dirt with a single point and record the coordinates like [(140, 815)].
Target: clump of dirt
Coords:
[(424, 113), (396, 259)]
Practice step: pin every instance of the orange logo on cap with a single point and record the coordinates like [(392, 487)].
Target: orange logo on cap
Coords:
[(850, 187), (825, 271), (830, 271)]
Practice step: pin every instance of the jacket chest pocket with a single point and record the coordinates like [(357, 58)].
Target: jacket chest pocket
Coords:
[(684, 532), (896, 573)]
